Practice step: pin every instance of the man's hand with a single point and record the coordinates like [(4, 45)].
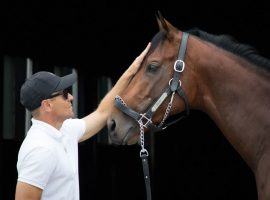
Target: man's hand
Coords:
[(132, 70), (123, 81), (97, 120)]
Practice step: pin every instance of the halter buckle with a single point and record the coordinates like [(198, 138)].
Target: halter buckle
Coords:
[(176, 65)]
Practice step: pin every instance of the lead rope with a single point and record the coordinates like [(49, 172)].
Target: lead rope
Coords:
[(144, 156), (144, 153)]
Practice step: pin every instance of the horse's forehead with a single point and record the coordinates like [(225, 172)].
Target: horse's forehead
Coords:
[(163, 50), (168, 45)]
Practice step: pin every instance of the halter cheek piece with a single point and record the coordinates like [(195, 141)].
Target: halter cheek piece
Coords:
[(145, 119)]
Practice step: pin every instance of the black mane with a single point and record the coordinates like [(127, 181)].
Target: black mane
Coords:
[(230, 44)]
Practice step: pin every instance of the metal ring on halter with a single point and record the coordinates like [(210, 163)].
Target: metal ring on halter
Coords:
[(147, 120), (179, 61), (143, 151), (180, 83)]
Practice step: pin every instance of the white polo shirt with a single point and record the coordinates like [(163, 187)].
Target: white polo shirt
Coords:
[(48, 159)]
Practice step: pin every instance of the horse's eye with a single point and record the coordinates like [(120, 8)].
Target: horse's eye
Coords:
[(152, 68)]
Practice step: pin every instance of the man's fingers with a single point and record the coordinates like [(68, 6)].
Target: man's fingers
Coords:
[(137, 62), (142, 55)]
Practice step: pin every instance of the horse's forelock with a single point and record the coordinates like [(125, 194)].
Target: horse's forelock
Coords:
[(159, 37)]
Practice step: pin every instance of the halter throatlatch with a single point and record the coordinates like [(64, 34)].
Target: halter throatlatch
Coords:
[(145, 119)]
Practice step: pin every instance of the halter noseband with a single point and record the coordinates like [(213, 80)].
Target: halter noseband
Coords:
[(145, 119)]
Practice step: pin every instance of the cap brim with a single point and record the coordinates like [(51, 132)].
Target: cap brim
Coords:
[(66, 81)]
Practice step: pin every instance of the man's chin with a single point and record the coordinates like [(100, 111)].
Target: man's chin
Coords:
[(69, 116), (72, 115)]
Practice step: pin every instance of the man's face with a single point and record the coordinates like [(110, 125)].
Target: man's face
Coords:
[(62, 105)]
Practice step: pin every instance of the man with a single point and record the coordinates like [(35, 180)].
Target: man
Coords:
[(48, 158)]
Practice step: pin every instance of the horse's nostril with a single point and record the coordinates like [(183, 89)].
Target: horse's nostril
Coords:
[(112, 125)]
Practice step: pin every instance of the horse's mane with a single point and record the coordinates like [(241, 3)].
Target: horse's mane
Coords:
[(230, 44)]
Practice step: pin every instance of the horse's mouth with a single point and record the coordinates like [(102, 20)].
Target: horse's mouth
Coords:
[(130, 137), (127, 136)]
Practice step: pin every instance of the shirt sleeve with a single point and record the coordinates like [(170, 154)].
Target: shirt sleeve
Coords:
[(36, 167), (74, 127)]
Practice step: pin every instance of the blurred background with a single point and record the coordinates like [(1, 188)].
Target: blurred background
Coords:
[(99, 40)]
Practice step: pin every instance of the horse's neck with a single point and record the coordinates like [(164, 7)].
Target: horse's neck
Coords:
[(237, 99)]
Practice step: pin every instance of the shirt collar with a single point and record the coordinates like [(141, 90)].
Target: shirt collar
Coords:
[(49, 129)]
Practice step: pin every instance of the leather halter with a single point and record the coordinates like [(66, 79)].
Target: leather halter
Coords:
[(145, 119)]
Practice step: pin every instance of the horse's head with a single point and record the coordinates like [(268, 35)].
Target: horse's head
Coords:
[(148, 85)]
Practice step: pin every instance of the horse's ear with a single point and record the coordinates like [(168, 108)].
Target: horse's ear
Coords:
[(163, 24)]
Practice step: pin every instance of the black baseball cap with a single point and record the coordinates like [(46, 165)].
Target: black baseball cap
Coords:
[(41, 86)]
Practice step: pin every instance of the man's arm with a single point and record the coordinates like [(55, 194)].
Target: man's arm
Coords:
[(97, 120), (27, 191)]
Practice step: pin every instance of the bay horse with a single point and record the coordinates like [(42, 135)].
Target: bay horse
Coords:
[(227, 80)]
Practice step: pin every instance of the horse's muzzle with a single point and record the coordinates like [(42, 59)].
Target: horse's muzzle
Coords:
[(122, 132)]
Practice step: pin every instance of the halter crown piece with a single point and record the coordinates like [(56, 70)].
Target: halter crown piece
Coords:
[(145, 119)]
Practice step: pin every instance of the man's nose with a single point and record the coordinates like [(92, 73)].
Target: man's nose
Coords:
[(70, 97)]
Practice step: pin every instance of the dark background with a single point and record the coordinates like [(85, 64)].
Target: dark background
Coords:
[(192, 159)]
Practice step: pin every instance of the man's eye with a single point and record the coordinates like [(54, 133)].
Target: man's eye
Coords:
[(152, 68)]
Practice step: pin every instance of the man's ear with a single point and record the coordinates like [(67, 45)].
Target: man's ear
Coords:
[(46, 105)]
